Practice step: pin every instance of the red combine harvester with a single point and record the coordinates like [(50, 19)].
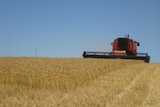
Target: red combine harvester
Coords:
[(123, 48)]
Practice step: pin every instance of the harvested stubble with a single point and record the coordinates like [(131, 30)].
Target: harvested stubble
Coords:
[(74, 82)]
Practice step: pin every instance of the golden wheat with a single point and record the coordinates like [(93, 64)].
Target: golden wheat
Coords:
[(73, 82)]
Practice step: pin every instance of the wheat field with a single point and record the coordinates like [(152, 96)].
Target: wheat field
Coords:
[(78, 82)]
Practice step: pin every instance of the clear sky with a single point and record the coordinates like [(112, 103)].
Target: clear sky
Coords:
[(65, 28)]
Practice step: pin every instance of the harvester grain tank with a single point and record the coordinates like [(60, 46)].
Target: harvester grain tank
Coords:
[(122, 48)]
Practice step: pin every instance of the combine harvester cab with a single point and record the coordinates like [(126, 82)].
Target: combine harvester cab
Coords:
[(122, 48)]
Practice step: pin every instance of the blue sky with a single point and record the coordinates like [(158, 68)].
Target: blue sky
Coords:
[(65, 28)]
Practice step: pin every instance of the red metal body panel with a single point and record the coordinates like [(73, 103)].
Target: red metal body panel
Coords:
[(115, 45), (131, 48)]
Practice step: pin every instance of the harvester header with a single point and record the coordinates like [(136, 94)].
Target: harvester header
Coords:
[(122, 48)]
